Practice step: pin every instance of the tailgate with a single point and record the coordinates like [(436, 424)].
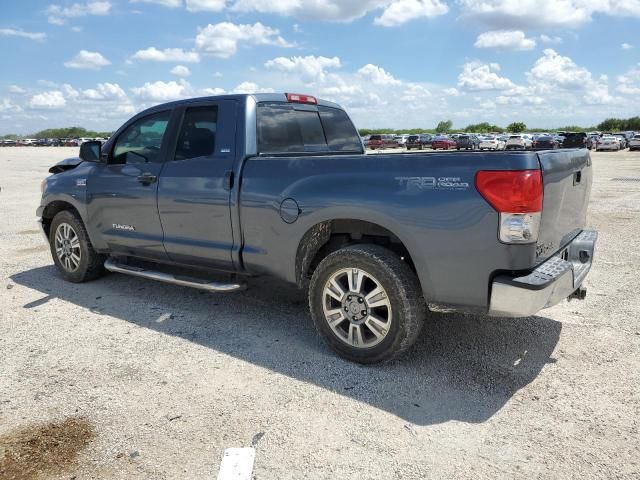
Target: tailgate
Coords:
[(567, 185)]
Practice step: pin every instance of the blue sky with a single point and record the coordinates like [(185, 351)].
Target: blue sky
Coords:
[(391, 63)]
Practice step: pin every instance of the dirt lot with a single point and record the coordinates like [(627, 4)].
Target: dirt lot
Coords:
[(157, 381)]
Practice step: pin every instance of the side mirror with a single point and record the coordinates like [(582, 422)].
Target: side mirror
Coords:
[(90, 151)]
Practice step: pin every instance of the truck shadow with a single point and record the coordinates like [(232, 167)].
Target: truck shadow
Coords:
[(462, 368)]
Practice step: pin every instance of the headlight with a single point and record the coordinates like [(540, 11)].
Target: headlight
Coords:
[(43, 185)]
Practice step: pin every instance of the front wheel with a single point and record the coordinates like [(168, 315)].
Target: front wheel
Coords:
[(72, 251), (366, 303)]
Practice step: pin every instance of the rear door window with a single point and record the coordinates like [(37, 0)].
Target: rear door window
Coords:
[(286, 128)]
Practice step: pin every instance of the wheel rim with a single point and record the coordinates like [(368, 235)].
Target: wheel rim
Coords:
[(357, 308), (67, 246)]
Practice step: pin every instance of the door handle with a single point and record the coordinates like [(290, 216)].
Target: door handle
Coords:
[(577, 177), (147, 178)]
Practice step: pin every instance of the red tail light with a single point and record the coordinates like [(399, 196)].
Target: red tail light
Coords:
[(300, 98), (513, 191)]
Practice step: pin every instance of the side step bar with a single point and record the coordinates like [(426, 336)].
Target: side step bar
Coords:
[(115, 267)]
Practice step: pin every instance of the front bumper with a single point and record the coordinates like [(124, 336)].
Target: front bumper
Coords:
[(548, 284)]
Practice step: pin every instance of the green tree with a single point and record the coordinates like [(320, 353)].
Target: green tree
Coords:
[(516, 127), (444, 126)]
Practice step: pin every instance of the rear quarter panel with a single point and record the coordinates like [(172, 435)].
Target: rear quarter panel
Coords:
[(449, 231)]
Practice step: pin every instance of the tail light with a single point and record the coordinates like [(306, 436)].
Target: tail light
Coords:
[(517, 196), (300, 98)]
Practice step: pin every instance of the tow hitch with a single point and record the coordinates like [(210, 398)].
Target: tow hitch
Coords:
[(579, 294)]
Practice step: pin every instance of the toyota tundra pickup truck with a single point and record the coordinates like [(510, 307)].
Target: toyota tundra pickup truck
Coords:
[(208, 192)]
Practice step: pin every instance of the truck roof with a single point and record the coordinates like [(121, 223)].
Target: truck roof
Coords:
[(258, 97)]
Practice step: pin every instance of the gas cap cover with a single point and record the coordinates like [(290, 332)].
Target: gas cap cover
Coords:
[(289, 210)]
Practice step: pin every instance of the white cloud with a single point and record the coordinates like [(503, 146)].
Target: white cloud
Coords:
[(7, 106), (377, 75), (540, 13), (452, 92), (477, 76), (394, 12), (105, 91), (16, 89), (507, 39), (87, 61), (402, 11), (212, 91), (206, 5), (555, 71), (250, 87), (626, 46), (629, 83), (53, 99), (166, 55), (222, 39), (550, 40), (164, 3), (10, 32), (310, 68), (181, 71), (58, 15), (163, 91)]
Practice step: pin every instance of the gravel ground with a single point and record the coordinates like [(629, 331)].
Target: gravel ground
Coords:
[(163, 379)]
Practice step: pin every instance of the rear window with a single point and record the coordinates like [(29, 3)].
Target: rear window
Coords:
[(375, 137), (412, 138), (287, 128), (515, 137)]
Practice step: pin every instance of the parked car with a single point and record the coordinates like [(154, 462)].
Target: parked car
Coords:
[(467, 142), (519, 142), (419, 141), (545, 143), (383, 141), (622, 139), (608, 142), (592, 141), (574, 140), (372, 239), (492, 143), (634, 143), (443, 143), (401, 139)]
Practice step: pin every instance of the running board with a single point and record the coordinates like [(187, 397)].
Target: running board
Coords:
[(115, 267)]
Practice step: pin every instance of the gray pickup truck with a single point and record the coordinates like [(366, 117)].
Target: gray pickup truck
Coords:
[(207, 192)]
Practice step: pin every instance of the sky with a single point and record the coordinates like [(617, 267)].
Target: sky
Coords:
[(390, 63)]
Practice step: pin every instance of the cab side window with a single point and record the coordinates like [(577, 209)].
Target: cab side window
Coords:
[(198, 133), (142, 140)]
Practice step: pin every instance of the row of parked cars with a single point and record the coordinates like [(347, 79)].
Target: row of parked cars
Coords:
[(524, 141), (48, 142)]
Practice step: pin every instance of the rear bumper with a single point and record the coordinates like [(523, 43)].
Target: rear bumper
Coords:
[(548, 284)]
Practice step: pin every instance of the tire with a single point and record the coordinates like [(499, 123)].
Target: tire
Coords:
[(395, 325), (87, 264)]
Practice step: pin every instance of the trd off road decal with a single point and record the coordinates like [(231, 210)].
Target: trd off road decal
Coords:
[(432, 183)]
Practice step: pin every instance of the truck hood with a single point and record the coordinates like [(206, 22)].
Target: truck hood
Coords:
[(66, 164)]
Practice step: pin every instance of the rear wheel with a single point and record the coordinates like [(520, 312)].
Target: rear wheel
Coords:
[(366, 303), (72, 251)]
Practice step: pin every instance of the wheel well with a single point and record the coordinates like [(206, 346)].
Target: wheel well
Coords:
[(327, 237), (52, 210)]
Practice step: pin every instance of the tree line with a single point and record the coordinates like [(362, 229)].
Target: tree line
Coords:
[(68, 132)]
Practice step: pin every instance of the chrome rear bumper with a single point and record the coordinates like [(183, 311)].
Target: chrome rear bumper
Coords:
[(548, 284)]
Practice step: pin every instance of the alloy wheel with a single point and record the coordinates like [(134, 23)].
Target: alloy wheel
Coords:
[(67, 247), (357, 307)]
